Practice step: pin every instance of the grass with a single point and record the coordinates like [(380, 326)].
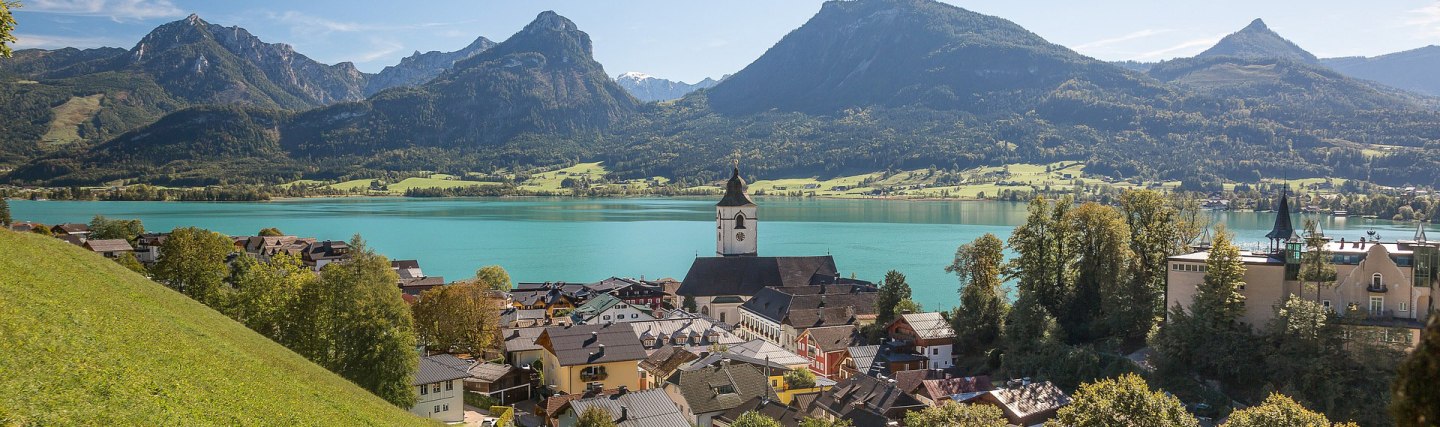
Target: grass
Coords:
[(550, 181), (64, 129), (87, 342)]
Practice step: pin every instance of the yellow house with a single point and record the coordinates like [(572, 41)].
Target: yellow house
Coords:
[(577, 358)]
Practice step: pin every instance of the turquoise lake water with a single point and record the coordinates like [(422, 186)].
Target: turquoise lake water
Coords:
[(583, 240)]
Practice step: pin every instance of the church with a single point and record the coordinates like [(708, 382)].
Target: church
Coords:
[(1381, 284), (720, 284)]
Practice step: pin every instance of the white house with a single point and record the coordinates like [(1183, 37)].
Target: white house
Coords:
[(440, 388), (606, 308)]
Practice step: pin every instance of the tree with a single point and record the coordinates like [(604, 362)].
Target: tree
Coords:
[(1277, 410), (1417, 398), (193, 261), (265, 292), (1218, 299), (128, 260), (1315, 266), (41, 229), (754, 419), (1209, 338), (952, 414), (979, 319), (1340, 371), (1102, 300), (4, 212), (7, 26), (1126, 400), (1035, 266), (799, 379), (459, 318), (105, 228), (892, 291), (822, 422), (270, 232), (1155, 236), (594, 416), (1031, 336), (358, 325), (688, 304), (493, 277)]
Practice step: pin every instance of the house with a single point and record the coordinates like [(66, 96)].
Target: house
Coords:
[(660, 364), (879, 360), (684, 330), (937, 386), (505, 383), (520, 346), (765, 350), (264, 247), (25, 226), (1025, 404), (779, 315), (704, 392), (929, 334), (110, 248), (826, 347), (631, 291), (609, 308), (1386, 286), (440, 389), (318, 255), (786, 415), (866, 401), (418, 285), (407, 268), (774, 372), (649, 408), (583, 357), (550, 299), (71, 229), (517, 318), (147, 247)]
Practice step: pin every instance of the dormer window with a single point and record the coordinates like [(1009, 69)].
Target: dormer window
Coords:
[(739, 221), (1376, 281)]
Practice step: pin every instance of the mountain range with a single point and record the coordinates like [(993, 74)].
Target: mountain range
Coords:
[(862, 86), (649, 88)]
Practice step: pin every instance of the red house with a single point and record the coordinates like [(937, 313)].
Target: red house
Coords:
[(826, 347)]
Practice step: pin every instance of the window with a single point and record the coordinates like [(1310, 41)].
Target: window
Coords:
[(1376, 281), (1377, 305), (739, 221), (449, 385), (1326, 304), (1404, 306), (934, 351), (722, 317), (424, 390), (436, 388), (634, 315), (437, 409), (607, 317), (445, 406)]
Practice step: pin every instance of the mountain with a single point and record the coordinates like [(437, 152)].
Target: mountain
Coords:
[(541, 81), (1258, 41), (1413, 70), (63, 305), (422, 67), (648, 88), (909, 52)]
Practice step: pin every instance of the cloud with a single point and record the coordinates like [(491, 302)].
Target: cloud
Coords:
[(1121, 39), (379, 49), (1183, 48), (38, 41), (114, 9), (301, 23), (1426, 20)]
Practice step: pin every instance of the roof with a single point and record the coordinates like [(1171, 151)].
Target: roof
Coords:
[(553, 404), (876, 359), (716, 359), (521, 339), (864, 356), (818, 317), (109, 245), (72, 228), (488, 372), (775, 303), (589, 344), (952, 386), (833, 338), (720, 387), (928, 326), (913, 379), (735, 191), (666, 360), (687, 331), (437, 368), (649, 408), (715, 276), (601, 303), (763, 350), (787, 415), (422, 282), (1031, 398), (865, 400), (404, 264), (1283, 228)]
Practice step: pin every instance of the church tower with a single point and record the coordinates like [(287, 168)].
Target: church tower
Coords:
[(735, 222)]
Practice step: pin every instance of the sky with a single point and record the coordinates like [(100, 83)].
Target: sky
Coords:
[(689, 40)]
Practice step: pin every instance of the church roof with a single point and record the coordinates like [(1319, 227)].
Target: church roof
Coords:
[(1284, 228), (714, 276), (735, 192)]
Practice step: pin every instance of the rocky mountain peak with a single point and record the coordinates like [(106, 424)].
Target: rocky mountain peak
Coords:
[(1257, 40)]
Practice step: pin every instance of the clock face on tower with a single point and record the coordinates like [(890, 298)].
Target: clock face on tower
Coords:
[(740, 236)]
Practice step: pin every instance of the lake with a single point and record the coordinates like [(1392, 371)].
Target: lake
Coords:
[(584, 240)]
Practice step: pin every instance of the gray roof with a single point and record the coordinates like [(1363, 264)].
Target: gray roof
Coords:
[(587, 344), (683, 331), (521, 339), (747, 275), (833, 338), (109, 245), (864, 356), (866, 401), (599, 304), (649, 408), (440, 367), (720, 387), (929, 325), (761, 349), (735, 194), (716, 359), (1031, 398), (787, 416), (775, 303), (488, 372), (661, 363)]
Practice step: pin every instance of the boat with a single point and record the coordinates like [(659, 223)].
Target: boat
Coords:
[(1340, 213)]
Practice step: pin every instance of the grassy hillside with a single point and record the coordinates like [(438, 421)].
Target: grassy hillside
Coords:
[(88, 342)]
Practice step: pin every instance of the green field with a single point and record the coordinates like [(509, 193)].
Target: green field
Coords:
[(64, 129), (550, 181), (87, 342)]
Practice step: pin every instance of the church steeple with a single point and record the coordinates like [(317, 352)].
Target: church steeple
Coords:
[(1283, 229), (735, 220)]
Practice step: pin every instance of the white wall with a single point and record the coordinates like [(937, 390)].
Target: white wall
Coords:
[(451, 402)]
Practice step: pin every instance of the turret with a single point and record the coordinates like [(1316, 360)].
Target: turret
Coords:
[(735, 220)]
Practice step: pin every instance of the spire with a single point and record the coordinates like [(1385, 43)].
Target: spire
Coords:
[(1283, 229), (735, 191), (1420, 232)]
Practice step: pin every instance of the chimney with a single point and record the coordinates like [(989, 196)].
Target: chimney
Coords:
[(624, 411), (622, 391), (602, 350)]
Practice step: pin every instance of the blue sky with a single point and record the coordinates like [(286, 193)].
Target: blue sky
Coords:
[(689, 40)]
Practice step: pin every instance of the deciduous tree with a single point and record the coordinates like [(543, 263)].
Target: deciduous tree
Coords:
[(594, 416), (1155, 235), (1103, 300), (270, 232), (822, 422), (493, 277), (128, 260), (7, 26), (754, 419), (1277, 410), (4, 212), (957, 415), (892, 291), (193, 261), (105, 228), (799, 378), (265, 293), (1123, 401), (1417, 388), (459, 318), (979, 319)]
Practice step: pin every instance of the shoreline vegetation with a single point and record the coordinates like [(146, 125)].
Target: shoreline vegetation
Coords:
[(1014, 182)]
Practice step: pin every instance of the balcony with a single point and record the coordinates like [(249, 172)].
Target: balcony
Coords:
[(1377, 288), (593, 376)]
